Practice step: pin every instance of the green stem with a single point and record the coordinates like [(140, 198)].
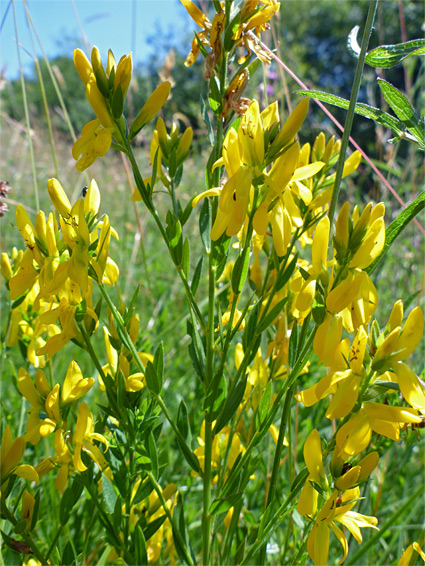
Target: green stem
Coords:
[(259, 434), (176, 531), (206, 517), (275, 470), (11, 518), (54, 541), (90, 350), (353, 99), (118, 543), (150, 206)]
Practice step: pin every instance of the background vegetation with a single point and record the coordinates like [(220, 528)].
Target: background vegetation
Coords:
[(311, 38)]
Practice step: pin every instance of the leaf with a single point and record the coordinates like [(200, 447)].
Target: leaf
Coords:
[(175, 237), (403, 109), (117, 104), (66, 505), (230, 407), (251, 325), (362, 109), (186, 257), (183, 422), (387, 56), (397, 226), (109, 494), (117, 516), (68, 555), (266, 322), (224, 504), (158, 363), (153, 455), (153, 526), (139, 542), (178, 515), (152, 379), (216, 396), (205, 225), (239, 272), (264, 405), (207, 121), (197, 275), (190, 457), (144, 489), (215, 96), (293, 346), (289, 270)]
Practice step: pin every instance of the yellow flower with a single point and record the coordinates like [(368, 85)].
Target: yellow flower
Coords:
[(354, 436), (84, 440), (307, 502), (75, 385), (10, 456), (405, 557), (27, 511), (150, 108), (306, 290), (94, 142), (410, 386), (337, 509), (400, 342)]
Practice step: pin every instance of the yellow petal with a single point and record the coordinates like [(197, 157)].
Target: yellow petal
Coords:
[(410, 386)]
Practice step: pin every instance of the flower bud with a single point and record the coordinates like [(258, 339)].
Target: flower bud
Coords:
[(58, 197), (123, 73), (342, 233), (6, 267), (151, 107), (82, 64)]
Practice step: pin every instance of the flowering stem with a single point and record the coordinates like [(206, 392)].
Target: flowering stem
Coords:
[(176, 531), (90, 350), (275, 470), (206, 517), (54, 541), (141, 187)]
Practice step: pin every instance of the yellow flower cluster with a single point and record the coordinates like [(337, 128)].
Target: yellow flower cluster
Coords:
[(51, 284), (106, 90), (53, 279)]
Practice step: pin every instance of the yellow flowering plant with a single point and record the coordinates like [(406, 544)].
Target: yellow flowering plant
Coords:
[(281, 320)]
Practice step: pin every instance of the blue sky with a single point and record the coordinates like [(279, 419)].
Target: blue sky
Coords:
[(122, 25)]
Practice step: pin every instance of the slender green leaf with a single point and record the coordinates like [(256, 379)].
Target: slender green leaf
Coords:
[(223, 505), (152, 379), (207, 121), (404, 110), (274, 313), (362, 109), (230, 407), (239, 272), (153, 455), (183, 422), (387, 56), (139, 542), (197, 275), (109, 494), (153, 526), (68, 555), (205, 225)]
